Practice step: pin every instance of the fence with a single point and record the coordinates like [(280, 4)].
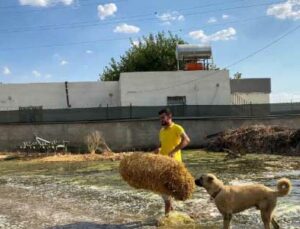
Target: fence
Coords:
[(40, 115)]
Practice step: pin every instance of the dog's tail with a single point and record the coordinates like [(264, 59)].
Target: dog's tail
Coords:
[(284, 187)]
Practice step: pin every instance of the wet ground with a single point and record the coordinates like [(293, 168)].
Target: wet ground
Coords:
[(81, 195)]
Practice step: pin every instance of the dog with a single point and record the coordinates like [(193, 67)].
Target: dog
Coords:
[(237, 198)]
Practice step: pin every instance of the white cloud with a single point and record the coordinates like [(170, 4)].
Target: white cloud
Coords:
[(60, 59), (212, 20), (6, 71), (287, 10), (180, 18), (107, 10), (63, 62), (40, 75), (36, 73), (89, 52), (225, 16), (222, 35), (44, 3), (169, 17), (124, 28)]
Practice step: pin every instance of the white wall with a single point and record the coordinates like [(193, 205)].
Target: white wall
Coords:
[(153, 88), (53, 95), (94, 94), (138, 89), (254, 98)]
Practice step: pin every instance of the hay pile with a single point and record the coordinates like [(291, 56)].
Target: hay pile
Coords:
[(3, 157), (176, 220), (157, 173), (107, 156), (256, 139)]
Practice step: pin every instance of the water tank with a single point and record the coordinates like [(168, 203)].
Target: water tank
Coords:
[(193, 52)]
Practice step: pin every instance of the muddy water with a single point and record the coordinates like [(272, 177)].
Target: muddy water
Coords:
[(81, 195)]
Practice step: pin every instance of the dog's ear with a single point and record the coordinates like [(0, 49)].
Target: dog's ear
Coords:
[(210, 179)]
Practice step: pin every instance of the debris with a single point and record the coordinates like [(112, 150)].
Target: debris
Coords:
[(42, 145), (255, 139)]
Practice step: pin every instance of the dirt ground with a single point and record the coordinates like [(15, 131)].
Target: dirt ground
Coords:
[(91, 194)]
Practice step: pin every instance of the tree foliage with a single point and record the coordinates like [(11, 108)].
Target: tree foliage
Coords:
[(237, 75), (151, 53)]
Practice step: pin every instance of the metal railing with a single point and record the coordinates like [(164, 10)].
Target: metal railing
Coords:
[(132, 112)]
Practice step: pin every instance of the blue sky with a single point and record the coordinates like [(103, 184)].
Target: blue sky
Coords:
[(73, 40)]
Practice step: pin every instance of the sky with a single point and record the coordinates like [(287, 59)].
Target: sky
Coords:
[(73, 40)]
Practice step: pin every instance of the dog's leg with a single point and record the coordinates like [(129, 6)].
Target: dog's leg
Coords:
[(226, 220), (274, 223), (266, 218)]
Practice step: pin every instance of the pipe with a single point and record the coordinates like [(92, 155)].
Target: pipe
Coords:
[(67, 94)]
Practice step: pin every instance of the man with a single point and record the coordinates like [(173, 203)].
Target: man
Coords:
[(172, 139)]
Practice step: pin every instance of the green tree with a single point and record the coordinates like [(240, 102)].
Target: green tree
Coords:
[(152, 53), (237, 76)]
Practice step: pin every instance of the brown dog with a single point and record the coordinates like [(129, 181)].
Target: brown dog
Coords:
[(236, 198)]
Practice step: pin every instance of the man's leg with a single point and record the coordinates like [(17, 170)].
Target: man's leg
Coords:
[(168, 204), (168, 207)]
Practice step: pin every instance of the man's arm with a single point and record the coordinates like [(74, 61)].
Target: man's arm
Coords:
[(185, 140)]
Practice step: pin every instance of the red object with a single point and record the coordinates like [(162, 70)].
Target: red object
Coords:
[(194, 66)]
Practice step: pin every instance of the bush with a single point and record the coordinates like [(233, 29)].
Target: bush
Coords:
[(95, 142)]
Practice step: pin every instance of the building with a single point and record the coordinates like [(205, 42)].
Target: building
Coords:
[(175, 88), (59, 95), (212, 87), (198, 83), (250, 90)]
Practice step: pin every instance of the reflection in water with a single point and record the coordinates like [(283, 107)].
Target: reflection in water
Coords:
[(92, 194)]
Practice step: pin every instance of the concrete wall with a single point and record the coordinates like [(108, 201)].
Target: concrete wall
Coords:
[(137, 89), (199, 87), (53, 95), (254, 98), (94, 94), (128, 135)]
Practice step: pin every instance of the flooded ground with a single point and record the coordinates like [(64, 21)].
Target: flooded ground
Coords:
[(81, 195)]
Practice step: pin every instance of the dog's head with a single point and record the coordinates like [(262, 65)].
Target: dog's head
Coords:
[(210, 182)]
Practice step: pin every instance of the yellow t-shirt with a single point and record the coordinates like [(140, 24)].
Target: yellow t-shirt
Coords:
[(169, 138)]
